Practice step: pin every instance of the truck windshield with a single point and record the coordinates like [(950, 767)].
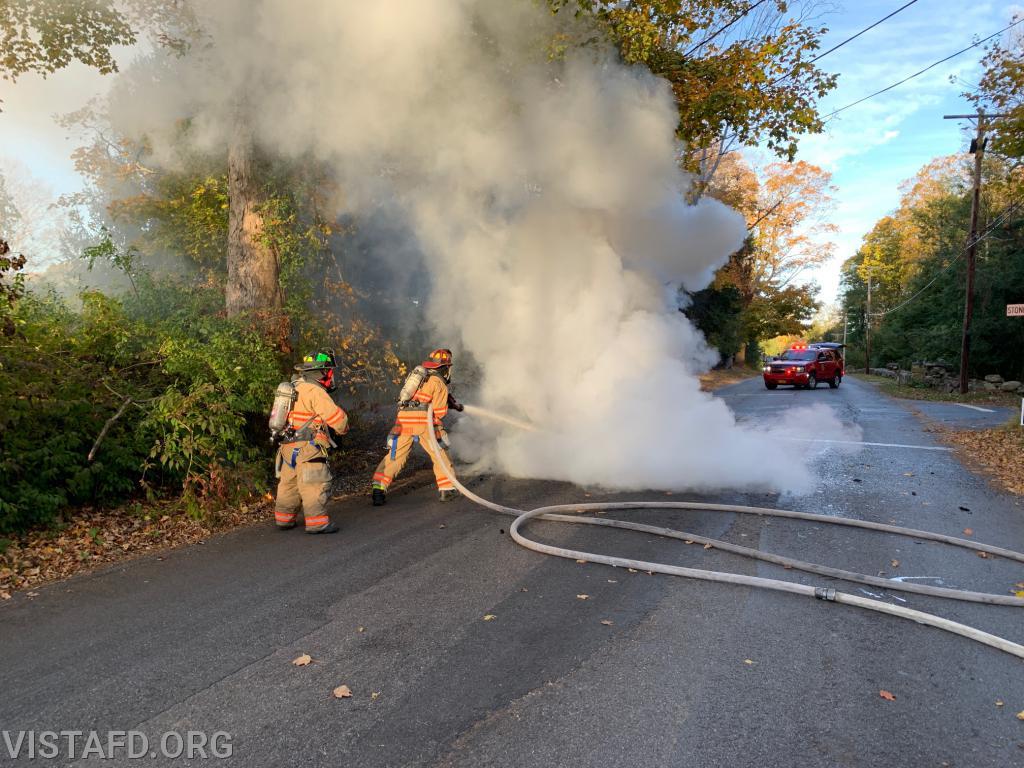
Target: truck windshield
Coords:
[(799, 354)]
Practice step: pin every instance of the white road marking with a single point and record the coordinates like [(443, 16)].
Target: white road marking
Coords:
[(858, 442), (975, 407)]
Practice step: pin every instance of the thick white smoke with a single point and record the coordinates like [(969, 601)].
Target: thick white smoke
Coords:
[(545, 199)]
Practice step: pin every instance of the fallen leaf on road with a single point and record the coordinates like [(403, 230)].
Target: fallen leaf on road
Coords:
[(631, 570), (581, 561), (582, 597), (983, 555), (607, 622), (489, 617), (968, 531), (999, 702), (442, 525), (750, 662), (965, 509), (374, 695), (360, 629), (523, 589), (687, 541), (1019, 593), (908, 474), (1020, 715), (303, 661), (342, 692), (886, 695), (707, 546), (895, 563), (5, 595), (613, 581)]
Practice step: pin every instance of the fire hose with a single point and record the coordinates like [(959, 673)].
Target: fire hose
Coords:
[(570, 513)]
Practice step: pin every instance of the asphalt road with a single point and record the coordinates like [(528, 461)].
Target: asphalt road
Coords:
[(688, 673)]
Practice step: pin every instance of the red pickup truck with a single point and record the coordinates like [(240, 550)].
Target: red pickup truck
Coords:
[(805, 365)]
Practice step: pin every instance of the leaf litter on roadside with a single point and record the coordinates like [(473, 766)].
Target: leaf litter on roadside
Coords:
[(887, 695), (303, 661), (343, 692)]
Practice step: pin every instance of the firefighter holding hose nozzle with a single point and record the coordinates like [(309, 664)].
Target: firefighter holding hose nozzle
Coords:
[(426, 385), (302, 420)]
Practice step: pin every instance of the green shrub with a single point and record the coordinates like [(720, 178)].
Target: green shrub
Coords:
[(194, 380)]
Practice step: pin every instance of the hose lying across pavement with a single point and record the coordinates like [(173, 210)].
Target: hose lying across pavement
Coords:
[(557, 513)]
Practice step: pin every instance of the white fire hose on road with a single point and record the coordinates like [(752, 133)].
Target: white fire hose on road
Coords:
[(568, 513)]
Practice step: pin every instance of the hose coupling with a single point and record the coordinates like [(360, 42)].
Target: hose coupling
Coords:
[(825, 593)]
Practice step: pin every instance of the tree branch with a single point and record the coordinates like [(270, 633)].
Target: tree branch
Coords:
[(106, 427)]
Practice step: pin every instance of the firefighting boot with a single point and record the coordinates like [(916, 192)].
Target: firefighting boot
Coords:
[(448, 495), (380, 497), (329, 528)]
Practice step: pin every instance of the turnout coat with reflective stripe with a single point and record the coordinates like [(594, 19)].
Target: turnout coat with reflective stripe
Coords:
[(313, 402), (435, 391)]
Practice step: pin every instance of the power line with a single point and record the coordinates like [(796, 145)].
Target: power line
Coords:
[(981, 236), (866, 29), (832, 114), (780, 78), (722, 29)]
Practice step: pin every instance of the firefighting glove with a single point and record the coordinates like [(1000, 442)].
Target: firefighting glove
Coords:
[(455, 404)]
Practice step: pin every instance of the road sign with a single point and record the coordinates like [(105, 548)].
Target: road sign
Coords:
[(1015, 310)]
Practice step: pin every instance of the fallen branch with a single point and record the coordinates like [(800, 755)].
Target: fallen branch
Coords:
[(106, 427)]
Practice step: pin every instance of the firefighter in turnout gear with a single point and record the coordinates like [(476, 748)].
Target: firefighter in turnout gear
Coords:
[(426, 385), (304, 477)]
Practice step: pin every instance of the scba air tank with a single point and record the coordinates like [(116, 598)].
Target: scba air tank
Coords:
[(412, 383), (284, 398)]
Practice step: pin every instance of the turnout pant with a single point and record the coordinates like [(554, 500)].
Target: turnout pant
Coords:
[(306, 485), (396, 457)]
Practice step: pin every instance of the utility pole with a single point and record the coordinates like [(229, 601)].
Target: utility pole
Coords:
[(978, 150), (867, 331)]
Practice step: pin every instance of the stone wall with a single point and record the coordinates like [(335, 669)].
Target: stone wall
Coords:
[(941, 375)]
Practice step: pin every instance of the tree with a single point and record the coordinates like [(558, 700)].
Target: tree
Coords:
[(42, 36), (253, 268), (914, 259), (786, 212), (740, 70), (29, 219), (1001, 90)]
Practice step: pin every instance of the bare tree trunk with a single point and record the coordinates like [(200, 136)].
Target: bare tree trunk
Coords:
[(253, 269)]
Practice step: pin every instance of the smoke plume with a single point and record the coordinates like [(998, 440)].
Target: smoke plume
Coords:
[(542, 192)]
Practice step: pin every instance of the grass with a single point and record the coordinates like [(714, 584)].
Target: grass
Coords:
[(909, 392), (723, 377)]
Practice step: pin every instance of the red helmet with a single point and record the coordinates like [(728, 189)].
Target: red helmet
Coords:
[(439, 358)]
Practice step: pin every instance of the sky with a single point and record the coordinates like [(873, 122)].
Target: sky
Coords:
[(869, 149)]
